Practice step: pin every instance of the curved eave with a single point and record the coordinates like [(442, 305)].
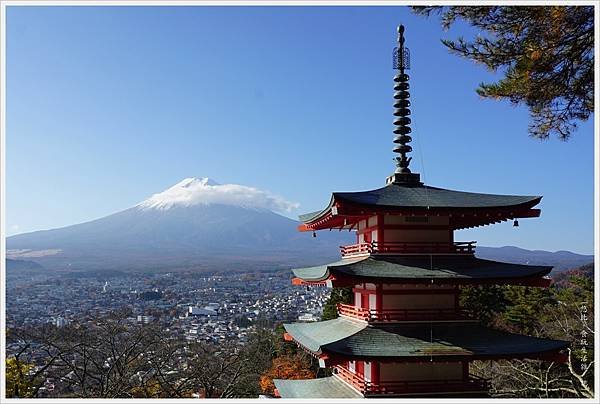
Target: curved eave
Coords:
[(312, 336), (310, 220), (422, 269), (340, 339), (321, 273), (460, 341), (554, 353), (395, 196), (467, 209)]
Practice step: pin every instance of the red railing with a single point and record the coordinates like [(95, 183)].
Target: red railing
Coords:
[(354, 379), (401, 314), (353, 311), (402, 247), (473, 383)]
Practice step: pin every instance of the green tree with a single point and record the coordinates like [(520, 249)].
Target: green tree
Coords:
[(485, 302), (565, 311), (525, 307), (18, 383), (546, 56), (338, 295)]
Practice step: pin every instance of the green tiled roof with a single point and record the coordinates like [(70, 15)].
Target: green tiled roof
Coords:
[(326, 387), (422, 267), (313, 335), (321, 272), (307, 217), (423, 196), (403, 340)]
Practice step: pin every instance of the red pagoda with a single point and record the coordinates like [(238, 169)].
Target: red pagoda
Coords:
[(405, 334)]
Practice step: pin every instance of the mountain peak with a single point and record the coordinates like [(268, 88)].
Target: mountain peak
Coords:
[(193, 181), (205, 191)]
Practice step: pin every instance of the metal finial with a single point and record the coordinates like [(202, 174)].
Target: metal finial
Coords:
[(401, 58), (401, 105)]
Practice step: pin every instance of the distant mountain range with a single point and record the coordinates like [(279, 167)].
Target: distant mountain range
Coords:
[(560, 260), (562, 278), (201, 225)]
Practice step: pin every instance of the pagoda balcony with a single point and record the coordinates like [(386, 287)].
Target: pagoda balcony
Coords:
[(405, 247), (391, 315), (471, 384)]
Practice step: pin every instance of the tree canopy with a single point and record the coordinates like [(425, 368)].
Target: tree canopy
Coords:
[(565, 311), (338, 295), (546, 56)]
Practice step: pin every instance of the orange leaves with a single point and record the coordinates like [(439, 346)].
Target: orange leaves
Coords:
[(535, 55), (286, 367)]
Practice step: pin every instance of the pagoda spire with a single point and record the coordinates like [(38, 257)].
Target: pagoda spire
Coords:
[(401, 62)]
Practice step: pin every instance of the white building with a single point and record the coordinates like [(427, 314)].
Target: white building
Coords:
[(145, 319), (202, 312)]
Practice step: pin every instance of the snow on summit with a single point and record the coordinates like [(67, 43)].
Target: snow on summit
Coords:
[(205, 191)]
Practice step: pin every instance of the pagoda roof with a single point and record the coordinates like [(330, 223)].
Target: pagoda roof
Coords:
[(326, 387), (353, 339), (415, 197), (457, 269)]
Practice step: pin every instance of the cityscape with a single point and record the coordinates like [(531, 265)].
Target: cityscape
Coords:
[(196, 307)]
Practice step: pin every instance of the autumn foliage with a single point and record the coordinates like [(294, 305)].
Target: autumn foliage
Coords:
[(286, 367)]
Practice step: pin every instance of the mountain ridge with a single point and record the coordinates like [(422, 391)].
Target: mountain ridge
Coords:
[(200, 237)]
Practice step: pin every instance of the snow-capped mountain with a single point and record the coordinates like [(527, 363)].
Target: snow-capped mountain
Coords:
[(197, 223), (205, 191)]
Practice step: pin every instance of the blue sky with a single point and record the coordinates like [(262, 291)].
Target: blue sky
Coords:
[(109, 105)]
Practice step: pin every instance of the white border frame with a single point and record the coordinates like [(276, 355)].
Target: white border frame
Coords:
[(233, 3)]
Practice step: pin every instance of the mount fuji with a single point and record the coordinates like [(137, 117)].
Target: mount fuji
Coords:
[(195, 224)]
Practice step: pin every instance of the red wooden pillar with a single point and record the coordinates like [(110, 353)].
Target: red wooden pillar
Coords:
[(465, 369), (375, 373), (367, 237), (360, 368), (364, 301)]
